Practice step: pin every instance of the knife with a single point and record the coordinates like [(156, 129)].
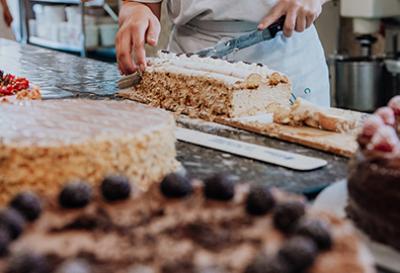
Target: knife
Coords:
[(221, 49), (248, 150)]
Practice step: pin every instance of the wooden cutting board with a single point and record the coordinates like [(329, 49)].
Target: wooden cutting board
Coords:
[(343, 144), (336, 143)]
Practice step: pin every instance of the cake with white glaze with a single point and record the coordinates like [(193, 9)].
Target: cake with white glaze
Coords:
[(43, 144), (209, 88)]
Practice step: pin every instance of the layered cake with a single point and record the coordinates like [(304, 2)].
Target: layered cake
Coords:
[(45, 143), (177, 226), (304, 113), (373, 184), (209, 88)]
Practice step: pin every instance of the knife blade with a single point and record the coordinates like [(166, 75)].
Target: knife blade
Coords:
[(223, 49)]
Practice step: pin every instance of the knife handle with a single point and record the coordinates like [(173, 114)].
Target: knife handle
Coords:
[(277, 26)]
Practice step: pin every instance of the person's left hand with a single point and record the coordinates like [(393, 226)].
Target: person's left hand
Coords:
[(300, 14), (8, 17)]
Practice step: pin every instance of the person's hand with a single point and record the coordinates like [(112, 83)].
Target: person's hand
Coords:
[(138, 25), (300, 14), (8, 18)]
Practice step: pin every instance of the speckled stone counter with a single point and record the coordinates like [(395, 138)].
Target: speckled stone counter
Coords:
[(61, 75)]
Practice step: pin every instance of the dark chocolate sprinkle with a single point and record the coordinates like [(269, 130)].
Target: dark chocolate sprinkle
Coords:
[(75, 195), (219, 187), (316, 230), (165, 51), (12, 221), (299, 253), (287, 215), (260, 200), (176, 186), (116, 188), (5, 241), (28, 204)]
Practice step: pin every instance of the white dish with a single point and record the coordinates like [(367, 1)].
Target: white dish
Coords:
[(334, 199)]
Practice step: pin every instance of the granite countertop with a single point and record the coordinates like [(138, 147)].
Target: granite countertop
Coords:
[(61, 75)]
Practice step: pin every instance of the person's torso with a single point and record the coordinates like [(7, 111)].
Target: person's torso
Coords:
[(183, 11)]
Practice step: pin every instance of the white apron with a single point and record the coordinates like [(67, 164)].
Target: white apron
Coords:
[(5, 31), (202, 23)]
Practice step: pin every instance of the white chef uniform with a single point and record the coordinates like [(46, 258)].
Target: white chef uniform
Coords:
[(5, 31), (202, 23)]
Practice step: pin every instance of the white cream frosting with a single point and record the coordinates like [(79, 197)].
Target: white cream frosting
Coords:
[(229, 73)]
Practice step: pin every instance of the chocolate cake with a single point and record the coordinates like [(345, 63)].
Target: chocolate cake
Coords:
[(374, 179), (209, 88), (178, 225), (45, 143)]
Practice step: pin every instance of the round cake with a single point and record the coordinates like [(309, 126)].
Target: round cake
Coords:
[(44, 144), (373, 183), (179, 225)]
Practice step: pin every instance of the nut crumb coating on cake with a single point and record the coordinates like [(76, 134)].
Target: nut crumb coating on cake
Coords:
[(43, 144), (157, 232), (209, 88)]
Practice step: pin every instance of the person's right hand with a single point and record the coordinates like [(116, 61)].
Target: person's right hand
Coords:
[(138, 26)]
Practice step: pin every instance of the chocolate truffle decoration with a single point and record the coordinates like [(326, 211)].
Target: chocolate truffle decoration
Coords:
[(299, 253), (28, 204), (176, 186), (260, 200), (219, 187), (287, 215), (5, 241), (12, 221), (116, 188), (75, 195), (316, 230)]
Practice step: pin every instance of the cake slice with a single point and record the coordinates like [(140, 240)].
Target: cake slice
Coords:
[(209, 88), (44, 144), (178, 226), (305, 113)]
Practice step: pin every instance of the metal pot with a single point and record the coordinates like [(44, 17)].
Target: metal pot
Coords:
[(360, 83)]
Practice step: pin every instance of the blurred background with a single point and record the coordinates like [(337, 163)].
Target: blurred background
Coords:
[(360, 38)]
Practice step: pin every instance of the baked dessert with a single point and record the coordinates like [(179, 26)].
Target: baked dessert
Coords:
[(45, 143), (373, 184), (304, 113), (176, 226), (10, 85), (209, 88)]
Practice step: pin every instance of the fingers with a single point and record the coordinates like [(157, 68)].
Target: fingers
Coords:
[(124, 53), (300, 15), (275, 13), (290, 22), (138, 42), (153, 32), (301, 21)]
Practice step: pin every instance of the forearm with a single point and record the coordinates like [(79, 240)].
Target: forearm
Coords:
[(154, 7)]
